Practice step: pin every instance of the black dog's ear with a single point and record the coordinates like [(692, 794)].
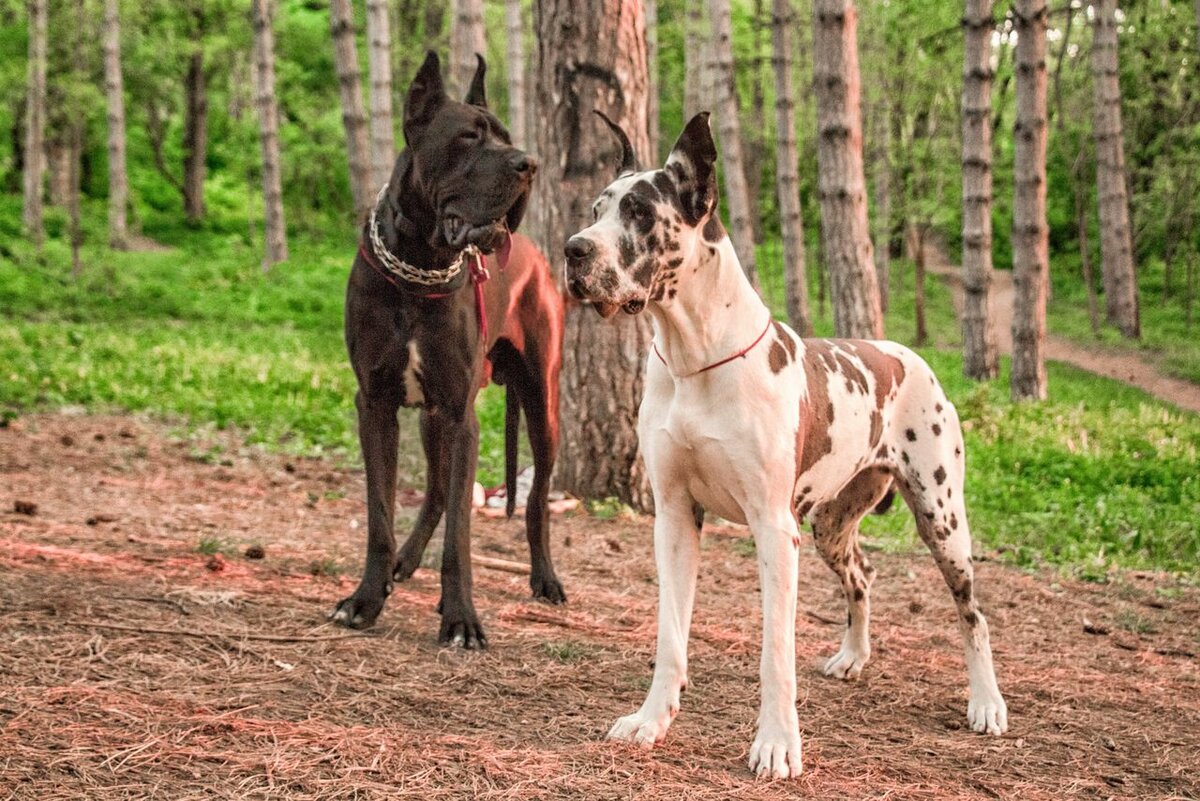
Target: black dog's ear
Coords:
[(628, 157), (693, 164), (425, 95), (477, 94)]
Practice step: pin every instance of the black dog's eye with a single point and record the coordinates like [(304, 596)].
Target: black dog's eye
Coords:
[(472, 135)]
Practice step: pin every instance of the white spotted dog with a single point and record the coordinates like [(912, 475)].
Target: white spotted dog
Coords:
[(743, 418)]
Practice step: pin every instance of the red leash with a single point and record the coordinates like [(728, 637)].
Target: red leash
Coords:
[(740, 354)]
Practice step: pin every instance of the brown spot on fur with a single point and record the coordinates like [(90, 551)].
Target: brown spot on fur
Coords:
[(953, 521), (938, 408), (937, 430), (970, 618), (777, 357), (912, 435), (876, 427), (939, 475), (783, 336), (888, 371), (813, 440)]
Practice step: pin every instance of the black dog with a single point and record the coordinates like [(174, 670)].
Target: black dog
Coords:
[(425, 327)]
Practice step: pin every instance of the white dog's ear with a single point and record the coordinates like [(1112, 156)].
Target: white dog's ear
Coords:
[(693, 164)]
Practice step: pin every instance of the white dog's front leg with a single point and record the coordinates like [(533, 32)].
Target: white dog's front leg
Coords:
[(677, 555), (776, 748)]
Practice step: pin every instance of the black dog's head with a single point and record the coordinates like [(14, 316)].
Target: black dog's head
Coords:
[(646, 225), (462, 162)]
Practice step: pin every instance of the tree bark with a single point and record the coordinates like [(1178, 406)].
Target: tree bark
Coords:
[(592, 55), (195, 134), (35, 123), (694, 65), (1030, 232), (1085, 249), (1116, 248), (787, 169), (466, 39), (354, 119), (980, 355), (379, 70), (518, 110), (57, 153), (652, 100), (114, 90), (275, 233), (845, 240), (881, 222), (737, 193), (755, 140)]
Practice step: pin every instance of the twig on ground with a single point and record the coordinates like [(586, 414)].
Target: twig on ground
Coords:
[(227, 634)]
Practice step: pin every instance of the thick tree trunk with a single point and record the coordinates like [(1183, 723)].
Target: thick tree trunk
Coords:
[(35, 123), (435, 21), (845, 239), (195, 135), (737, 193), (1085, 249), (275, 233), (1030, 232), (756, 138), (518, 111), (652, 101), (354, 119), (881, 222), (1116, 248), (466, 39), (379, 70), (980, 355), (592, 55), (114, 90), (787, 169), (694, 66)]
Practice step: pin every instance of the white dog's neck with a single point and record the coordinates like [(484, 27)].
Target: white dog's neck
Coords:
[(715, 312)]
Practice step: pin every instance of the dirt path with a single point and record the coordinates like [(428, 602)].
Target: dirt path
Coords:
[(131, 665), (1127, 366)]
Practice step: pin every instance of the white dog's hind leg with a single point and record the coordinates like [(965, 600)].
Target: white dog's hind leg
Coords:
[(776, 748), (835, 530), (677, 556)]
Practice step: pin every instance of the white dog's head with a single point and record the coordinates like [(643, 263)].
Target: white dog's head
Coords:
[(647, 225)]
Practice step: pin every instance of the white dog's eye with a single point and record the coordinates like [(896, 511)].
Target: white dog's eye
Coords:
[(595, 211)]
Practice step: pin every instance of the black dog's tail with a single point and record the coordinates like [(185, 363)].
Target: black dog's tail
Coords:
[(885, 502), (512, 427)]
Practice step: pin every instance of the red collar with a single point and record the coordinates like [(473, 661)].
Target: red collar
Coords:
[(479, 274), (740, 354)]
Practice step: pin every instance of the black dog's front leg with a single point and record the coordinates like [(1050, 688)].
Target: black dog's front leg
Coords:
[(433, 440), (460, 623), (378, 433)]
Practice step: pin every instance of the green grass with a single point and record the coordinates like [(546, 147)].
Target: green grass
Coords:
[(1100, 476)]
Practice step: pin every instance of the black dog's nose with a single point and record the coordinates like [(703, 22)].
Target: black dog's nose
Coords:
[(523, 163), (579, 248)]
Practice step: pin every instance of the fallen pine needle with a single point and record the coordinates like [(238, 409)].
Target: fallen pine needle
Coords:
[(227, 634)]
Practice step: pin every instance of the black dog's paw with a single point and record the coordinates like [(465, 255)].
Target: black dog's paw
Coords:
[(358, 611), (548, 589), (462, 630), (405, 568)]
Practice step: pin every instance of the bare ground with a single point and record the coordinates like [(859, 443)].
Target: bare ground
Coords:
[(133, 666), (1120, 364)]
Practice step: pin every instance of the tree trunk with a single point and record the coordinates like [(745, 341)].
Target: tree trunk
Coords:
[(1116, 248), (980, 356), (881, 222), (1030, 232), (845, 240), (379, 70), (35, 123), (466, 39), (114, 90), (195, 135), (518, 111), (1085, 249), (74, 169), (787, 169), (694, 66), (652, 101), (756, 138), (921, 336), (584, 45), (435, 21), (354, 119), (275, 233), (737, 193), (57, 153)]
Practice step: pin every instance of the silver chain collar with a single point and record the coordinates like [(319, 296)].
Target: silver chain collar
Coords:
[(402, 269)]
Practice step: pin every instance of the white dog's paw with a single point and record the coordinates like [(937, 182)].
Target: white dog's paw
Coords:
[(776, 753), (640, 729), (987, 713), (847, 663)]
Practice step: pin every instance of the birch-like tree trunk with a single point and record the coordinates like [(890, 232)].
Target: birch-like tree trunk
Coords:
[(275, 229), (518, 111), (694, 46), (195, 130), (733, 162), (35, 123), (845, 237), (379, 71), (592, 55), (787, 169), (466, 39), (980, 355), (354, 119), (1030, 246), (1116, 246), (114, 90)]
